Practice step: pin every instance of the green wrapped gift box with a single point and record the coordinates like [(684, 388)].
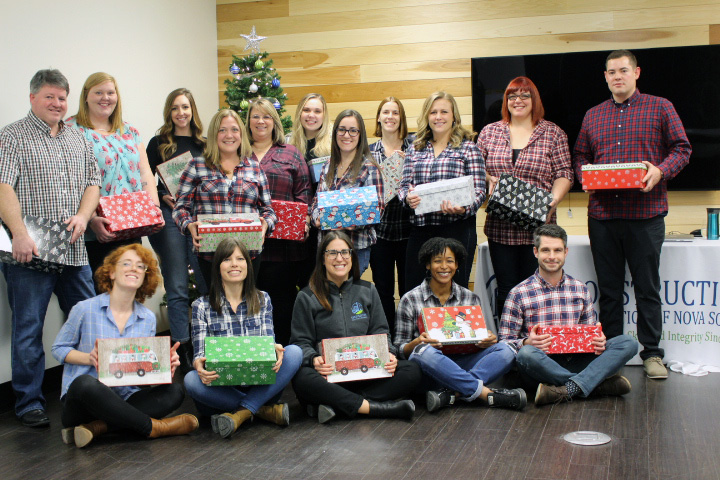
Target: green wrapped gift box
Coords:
[(241, 360)]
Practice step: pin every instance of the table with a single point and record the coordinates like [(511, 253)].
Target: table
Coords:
[(690, 293)]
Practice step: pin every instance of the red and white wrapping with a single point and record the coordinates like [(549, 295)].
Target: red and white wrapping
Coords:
[(291, 220), (571, 338), (131, 215), (613, 176)]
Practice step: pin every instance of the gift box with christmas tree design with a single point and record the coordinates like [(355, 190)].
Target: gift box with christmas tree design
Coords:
[(519, 202), (241, 360), (458, 329), (170, 172), (51, 238)]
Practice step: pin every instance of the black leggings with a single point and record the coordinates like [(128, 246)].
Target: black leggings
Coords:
[(87, 399), (512, 264)]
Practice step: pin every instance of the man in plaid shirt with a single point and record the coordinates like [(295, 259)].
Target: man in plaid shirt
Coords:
[(551, 297), (629, 225)]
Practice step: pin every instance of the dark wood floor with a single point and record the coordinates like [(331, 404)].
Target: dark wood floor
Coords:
[(662, 430)]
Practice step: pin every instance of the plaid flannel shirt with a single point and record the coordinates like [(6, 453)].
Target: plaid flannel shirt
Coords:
[(395, 224)]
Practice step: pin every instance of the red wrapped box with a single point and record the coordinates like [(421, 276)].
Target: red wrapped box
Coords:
[(571, 338), (131, 215), (291, 220), (613, 176), (458, 329)]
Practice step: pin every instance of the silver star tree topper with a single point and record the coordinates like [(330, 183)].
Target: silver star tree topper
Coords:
[(253, 41)]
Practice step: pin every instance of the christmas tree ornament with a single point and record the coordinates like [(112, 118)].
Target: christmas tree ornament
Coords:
[(276, 83), (244, 105), (253, 41), (259, 64), (277, 105), (253, 88), (234, 69)]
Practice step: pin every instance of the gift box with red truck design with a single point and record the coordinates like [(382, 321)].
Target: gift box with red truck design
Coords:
[(571, 338), (361, 357), (347, 208), (215, 228), (612, 176), (291, 220), (458, 329), (131, 215)]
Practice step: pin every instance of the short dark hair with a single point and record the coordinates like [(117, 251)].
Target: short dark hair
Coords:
[(549, 230), (49, 76), (437, 245), (619, 54)]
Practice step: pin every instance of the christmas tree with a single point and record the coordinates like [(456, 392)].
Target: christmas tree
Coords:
[(253, 77)]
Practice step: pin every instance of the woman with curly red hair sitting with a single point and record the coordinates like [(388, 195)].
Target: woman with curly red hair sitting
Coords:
[(128, 276)]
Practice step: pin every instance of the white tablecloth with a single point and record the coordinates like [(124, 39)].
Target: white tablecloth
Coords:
[(690, 292)]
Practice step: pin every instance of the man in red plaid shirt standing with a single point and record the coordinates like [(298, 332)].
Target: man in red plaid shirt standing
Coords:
[(629, 225)]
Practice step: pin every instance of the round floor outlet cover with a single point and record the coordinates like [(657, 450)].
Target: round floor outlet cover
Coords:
[(586, 438)]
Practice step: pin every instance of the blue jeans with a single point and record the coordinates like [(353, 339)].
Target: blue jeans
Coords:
[(587, 370), (465, 373), (29, 293), (175, 251), (363, 255), (211, 400)]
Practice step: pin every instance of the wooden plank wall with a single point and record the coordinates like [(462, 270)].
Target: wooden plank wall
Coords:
[(355, 53)]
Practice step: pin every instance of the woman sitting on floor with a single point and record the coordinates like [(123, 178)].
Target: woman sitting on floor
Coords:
[(128, 276)]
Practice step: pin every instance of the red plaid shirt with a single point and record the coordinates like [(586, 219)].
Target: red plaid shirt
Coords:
[(545, 159), (642, 128)]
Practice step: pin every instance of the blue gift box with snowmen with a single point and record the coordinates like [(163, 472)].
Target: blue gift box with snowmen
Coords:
[(352, 207)]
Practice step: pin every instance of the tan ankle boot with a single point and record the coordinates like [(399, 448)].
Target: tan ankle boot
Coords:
[(179, 425), (85, 433), (278, 414), (227, 423)]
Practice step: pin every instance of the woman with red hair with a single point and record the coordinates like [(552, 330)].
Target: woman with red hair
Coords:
[(531, 149)]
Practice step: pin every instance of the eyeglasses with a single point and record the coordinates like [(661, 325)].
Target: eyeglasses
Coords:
[(354, 132), (128, 265), (523, 96), (266, 118), (345, 252)]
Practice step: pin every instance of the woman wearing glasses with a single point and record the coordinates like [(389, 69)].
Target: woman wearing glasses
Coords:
[(128, 276), (351, 165), (289, 180), (337, 304), (534, 150)]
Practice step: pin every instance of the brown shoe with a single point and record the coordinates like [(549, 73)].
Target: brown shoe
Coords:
[(551, 394), (84, 434), (179, 425), (278, 414), (227, 423), (616, 385)]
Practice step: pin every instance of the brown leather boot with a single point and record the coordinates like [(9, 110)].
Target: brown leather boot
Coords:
[(178, 425), (278, 414), (225, 424), (85, 433)]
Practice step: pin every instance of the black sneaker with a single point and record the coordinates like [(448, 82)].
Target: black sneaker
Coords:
[(437, 399), (514, 399)]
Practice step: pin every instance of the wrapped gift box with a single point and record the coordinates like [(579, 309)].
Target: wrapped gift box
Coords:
[(571, 338), (519, 202), (134, 361), (316, 166), (346, 208), (52, 241), (241, 360), (459, 191), (391, 170), (131, 215), (613, 176), (292, 217), (171, 170), (458, 329), (356, 358), (215, 228)]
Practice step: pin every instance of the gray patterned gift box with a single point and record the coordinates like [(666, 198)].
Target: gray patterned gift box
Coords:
[(519, 202), (391, 170), (241, 360), (52, 241), (459, 191)]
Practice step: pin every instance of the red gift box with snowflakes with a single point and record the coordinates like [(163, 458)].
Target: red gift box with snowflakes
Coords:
[(571, 338), (458, 329), (291, 220), (613, 176), (131, 215)]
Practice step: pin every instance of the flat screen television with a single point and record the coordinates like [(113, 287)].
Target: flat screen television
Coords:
[(571, 83)]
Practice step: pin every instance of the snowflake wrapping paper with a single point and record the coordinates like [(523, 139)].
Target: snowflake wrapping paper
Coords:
[(458, 329), (131, 215), (171, 171), (519, 202), (241, 360), (459, 191), (613, 176), (215, 228), (291, 220), (571, 338), (52, 241), (346, 208), (391, 170)]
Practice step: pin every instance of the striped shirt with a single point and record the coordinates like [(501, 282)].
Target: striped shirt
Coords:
[(49, 174), (395, 224)]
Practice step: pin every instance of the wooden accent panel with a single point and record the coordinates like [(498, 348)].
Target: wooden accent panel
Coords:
[(714, 34), (660, 17), (251, 11)]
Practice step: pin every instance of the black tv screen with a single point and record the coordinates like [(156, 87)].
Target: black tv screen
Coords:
[(571, 83)]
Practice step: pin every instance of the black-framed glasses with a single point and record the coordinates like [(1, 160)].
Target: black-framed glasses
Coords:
[(523, 96), (345, 252), (128, 265), (353, 132)]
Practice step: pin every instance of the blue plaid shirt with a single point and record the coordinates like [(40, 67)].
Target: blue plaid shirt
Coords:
[(89, 320), (536, 302), (206, 322)]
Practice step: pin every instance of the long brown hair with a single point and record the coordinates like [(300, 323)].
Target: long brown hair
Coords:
[(167, 145), (362, 152), (402, 128), (318, 280), (252, 296)]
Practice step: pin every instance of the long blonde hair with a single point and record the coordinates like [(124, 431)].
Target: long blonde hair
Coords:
[(324, 135), (82, 117), (167, 145), (424, 133), (212, 153)]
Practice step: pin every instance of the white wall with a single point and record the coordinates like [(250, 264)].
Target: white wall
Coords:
[(150, 46)]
